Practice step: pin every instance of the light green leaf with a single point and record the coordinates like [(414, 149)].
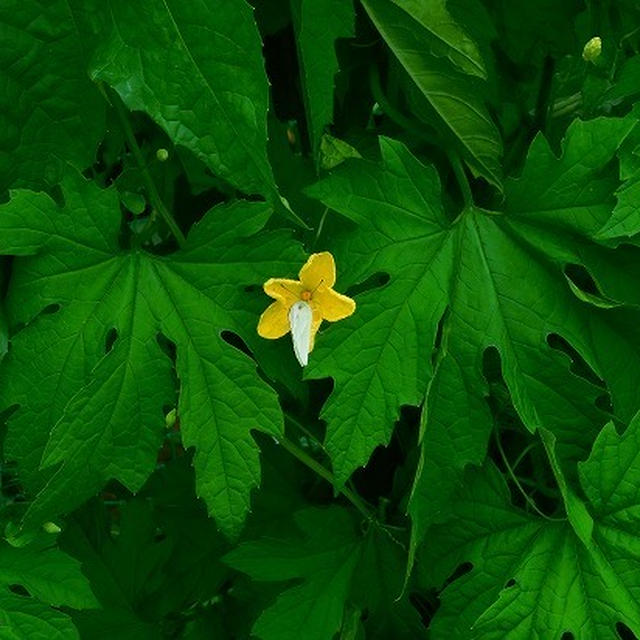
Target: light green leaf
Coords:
[(448, 39), (404, 233), (101, 375), (197, 70), (50, 111), (454, 97), (625, 219), (502, 277), (334, 151), (318, 24)]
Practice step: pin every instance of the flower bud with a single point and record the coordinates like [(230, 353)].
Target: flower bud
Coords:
[(592, 49), (162, 154)]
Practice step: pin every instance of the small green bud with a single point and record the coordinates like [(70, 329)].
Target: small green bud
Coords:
[(162, 154), (51, 527), (592, 49), (170, 418)]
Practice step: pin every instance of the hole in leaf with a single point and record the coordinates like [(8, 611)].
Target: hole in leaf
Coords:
[(426, 604), (491, 365), (510, 583), (375, 281), (57, 195), (236, 341), (438, 338), (582, 279), (110, 339), (50, 309), (604, 403), (18, 589), (579, 365), (167, 346), (624, 633), (461, 570), (567, 635)]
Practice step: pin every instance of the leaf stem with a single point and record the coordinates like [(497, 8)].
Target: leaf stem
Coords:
[(461, 178), (152, 191), (388, 109), (324, 473), (298, 425)]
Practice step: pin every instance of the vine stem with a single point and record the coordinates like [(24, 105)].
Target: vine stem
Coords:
[(298, 425), (324, 473), (461, 178), (152, 191), (515, 480), (389, 110)]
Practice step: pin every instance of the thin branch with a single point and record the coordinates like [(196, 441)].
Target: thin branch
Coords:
[(152, 191), (324, 473), (515, 480)]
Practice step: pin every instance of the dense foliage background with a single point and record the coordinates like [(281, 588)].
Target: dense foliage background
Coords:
[(460, 460)]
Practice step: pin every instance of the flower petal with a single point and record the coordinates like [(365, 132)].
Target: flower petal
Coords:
[(334, 305), (282, 289), (319, 269), (274, 321), (315, 325)]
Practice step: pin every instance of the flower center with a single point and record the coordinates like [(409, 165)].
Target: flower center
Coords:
[(306, 295)]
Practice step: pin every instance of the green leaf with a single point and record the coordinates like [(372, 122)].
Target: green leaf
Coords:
[(336, 566), (455, 98), (199, 73), (318, 24), (334, 151), (50, 577), (404, 233), (447, 39), (22, 617), (48, 574), (50, 111), (503, 279), (98, 413), (523, 581), (625, 218), (326, 557)]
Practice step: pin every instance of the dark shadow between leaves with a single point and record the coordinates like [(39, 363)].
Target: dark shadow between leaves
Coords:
[(512, 441), (167, 346), (375, 281), (579, 365), (237, 342), (624, 633), (19, 590)]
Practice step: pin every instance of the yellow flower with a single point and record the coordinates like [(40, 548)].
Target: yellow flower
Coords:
[(314, 288)]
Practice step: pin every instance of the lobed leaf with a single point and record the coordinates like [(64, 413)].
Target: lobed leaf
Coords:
[(98, 413)]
